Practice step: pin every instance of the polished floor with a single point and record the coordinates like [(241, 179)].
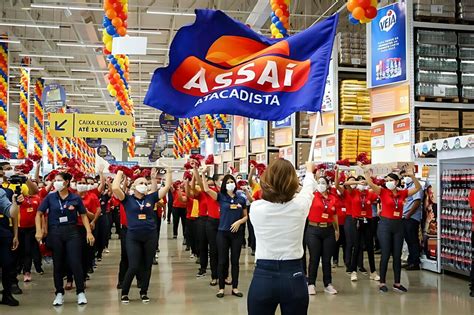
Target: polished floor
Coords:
[(174, 289)]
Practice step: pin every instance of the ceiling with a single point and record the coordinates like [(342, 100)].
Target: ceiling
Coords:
[(72, 29)]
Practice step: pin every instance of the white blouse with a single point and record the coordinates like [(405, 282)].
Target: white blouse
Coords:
[(279, 227)]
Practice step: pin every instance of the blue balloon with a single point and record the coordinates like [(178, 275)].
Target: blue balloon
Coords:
[(275, 19), (113, 61), (122, 112), (353, 20), (283, 31), (279, 24), (111, 30), (273, 15), (106, 21)]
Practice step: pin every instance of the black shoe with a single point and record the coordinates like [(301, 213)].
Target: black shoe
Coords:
[(157, 250), (90, 270), (145, 298), (220, 295), (15, 289), (40, 271), (405, 265), (253, 253), (412, 267), (125, 299), (378, 252), (201, 273), (87, 278), (9, 300), (383, 289), (119, 286), (155, 262), (175, 237), (188, 248), (213, 283), (400, 289), (237, 294)]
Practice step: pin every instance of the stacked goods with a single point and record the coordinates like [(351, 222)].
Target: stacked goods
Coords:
[(466, 56), (349, 145), (436, 124), (352, 49), (355, 102), (364, 143), (435, 9), (466, 10), (436, 74)]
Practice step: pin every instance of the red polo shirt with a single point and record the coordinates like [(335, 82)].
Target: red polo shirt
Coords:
[(347, 197), (123, 216), (340, 206), (176, 202), (201, 198), (392, 205), (28, 209), (91, 203), (322, 209), (362, 204), (471, 202), (213, 208)]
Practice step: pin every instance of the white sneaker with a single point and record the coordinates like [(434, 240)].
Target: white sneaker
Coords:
[(156, 255), (354, 276), (59, 300), (311, 289), (374, 276), (191, 256), (106, 251), (81, 299), (330, 289)]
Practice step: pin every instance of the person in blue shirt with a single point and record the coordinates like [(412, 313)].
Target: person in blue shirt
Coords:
[(141, 238), (412, 212), (64, 239), (233, 214)]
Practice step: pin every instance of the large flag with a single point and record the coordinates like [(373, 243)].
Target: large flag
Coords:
[(220, 66)]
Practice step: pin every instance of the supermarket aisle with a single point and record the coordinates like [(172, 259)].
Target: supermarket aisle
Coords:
[(175, 290)]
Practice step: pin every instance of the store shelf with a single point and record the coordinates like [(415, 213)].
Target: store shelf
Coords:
[(359, 127), (441, 105), (444, 26), (451, 269), (351, 69), (303, 139)]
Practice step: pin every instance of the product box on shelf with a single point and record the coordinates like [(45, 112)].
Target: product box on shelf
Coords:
[(428, 118), (449, 119), (435, 134), (302, 152), (468, 120), (466, 10), (302, 125), (424, 9)]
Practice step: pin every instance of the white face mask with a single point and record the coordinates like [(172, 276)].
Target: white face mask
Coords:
[(230, 186), (74, 186), (142, 188), (82, 187), (408, 180), (361, 187), (390, 185), (322, 187), (58, 186), (9, 173)]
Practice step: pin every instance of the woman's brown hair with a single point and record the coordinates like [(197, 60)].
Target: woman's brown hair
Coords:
[(279, 182)]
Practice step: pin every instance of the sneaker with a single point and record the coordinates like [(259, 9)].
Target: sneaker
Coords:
[(145, 298), (40, 271), (155, 262), (311, 289), (330, 289), (364, 271), (412, 267), (27, 277), (383, 289), (156, 255), (81, 299), (106, 251), (253, 253), (191, 256), (354, 276), (8, 299), (119, 286), (15, 289), (125, 299), (399, 288), (374, 276), (201, 273), (99, 258), (59, 300)]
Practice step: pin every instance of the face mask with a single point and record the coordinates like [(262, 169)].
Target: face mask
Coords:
[(230, 186), (408, 180), (390, 185), (58, 186), (74, 186), (94, 186), (322, 188), (361, 187), (142, 189), (353, 186), (9, 173), (82, 187)]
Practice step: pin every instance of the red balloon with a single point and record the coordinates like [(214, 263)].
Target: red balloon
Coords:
[(105, 51), (117, 87), (371, 12), (284, 7), (118, 7), (364, 4), (125, 24), (122, 15)]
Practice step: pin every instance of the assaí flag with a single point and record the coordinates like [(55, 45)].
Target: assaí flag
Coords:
[(220, 66)]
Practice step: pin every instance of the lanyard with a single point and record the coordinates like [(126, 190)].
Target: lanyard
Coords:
[(325, 203), (395, 201), (141, 205), (61, 205)]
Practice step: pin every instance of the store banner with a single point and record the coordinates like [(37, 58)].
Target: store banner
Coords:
[(388, 46), (377, 134), (331, 146), (425, 149), (401, 132), (220, 66)]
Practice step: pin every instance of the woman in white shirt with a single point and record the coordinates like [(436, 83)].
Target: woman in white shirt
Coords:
[(278, 220)]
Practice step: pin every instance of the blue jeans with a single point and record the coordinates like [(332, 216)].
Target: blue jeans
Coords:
[(390, 234), (278, 283)]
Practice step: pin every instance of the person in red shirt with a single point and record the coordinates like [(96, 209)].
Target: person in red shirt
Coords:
[(179, 208), (341, 218), (471, 203), (390, 229), (29, 247), (321, 236), (190, 230)]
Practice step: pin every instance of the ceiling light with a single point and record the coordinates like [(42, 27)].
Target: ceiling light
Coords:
[(79, 94), (93, 88), (9, 41), (64, 7), (90, 70), (158, 48), (151, 11), (103, 113), (31, 68), (46, 56), (139, 82), (65, 44), (64, 79), (133, 31), (143, 61), (84, 106), (99, 101), (29, 25)]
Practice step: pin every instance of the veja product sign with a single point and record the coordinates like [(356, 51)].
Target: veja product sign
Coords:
[(387, 62), (220, 66)]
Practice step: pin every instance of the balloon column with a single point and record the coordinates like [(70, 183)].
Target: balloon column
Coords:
[(115, 25), (59, 149), (280, 18), (49, 145), (196, 131), (209, 126), (24, 111), (39, 115), (220, 121), (362, 11), (3, 95)]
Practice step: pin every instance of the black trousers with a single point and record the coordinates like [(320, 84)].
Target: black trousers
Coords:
[(179, 214), (123, 266), (203, 242), (102, 228), (349, 233), (411, 229), (158, 229), (373, 226), (7, 263), (211, 233), (226, 240), (390, 233), (190, 236), (141, 248), (29, 250), (278, 283), (341, 242), (321, 242), (115, 216), (363, 235), (87, 251), (65, 242)]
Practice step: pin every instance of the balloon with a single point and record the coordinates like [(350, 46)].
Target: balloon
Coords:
[(358, 13), (125, 24), (117, 22), (351, 5), (110, 13), (284, 7), (122, 31), (353, 20), (284, 19), (370, 12), (117, 6), (125, 8), (279, 12), (117, 76), (105, 21), (275, 7), (364, 4), (111, 30), (122, 15), (279, 25), (279, 36), (275, 32), (275, 19), (374, 3)]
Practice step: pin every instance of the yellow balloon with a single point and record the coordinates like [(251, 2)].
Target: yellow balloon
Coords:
[(125, 8), (273, 27), (113, 92), (275, 32), (279, 35), (374, 3)]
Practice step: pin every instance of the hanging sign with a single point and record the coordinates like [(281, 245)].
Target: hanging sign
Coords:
[(222, 135), (54, 97), (94, 142), (168, 123)]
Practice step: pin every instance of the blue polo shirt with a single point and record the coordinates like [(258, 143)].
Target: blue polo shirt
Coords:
[(140, 212), (232, 209), (409, 203), (62, 211)]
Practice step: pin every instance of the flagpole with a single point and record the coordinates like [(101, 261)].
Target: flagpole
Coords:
[(315, 134)]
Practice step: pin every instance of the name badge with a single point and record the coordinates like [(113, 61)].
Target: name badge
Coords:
[(234, 206), (29, 210), (343, 209), (148, 205), (142, 216), (63, 219), (325, 216), (396, 214), (363, 213)]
